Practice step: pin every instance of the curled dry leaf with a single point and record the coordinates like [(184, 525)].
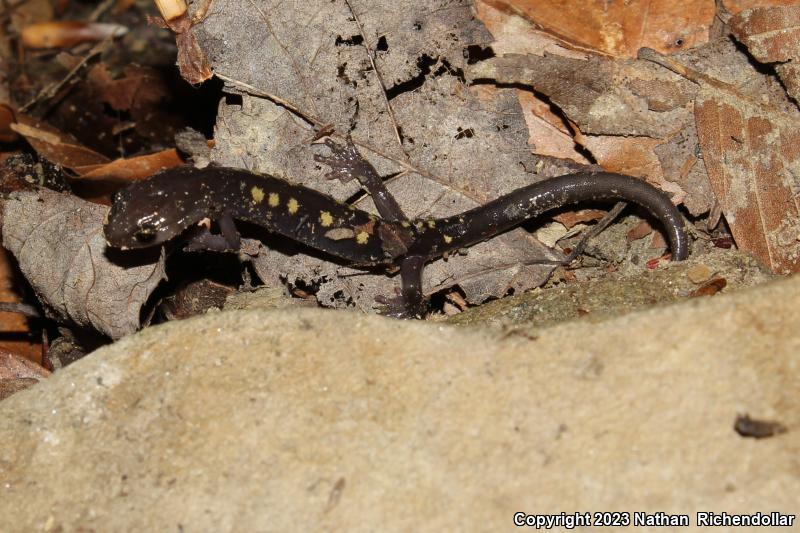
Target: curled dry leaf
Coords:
[(56, 146), (192, 61), (125, 170), (772, 35), (58, 241)]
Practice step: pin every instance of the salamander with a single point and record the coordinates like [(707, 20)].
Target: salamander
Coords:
[(184, 200)]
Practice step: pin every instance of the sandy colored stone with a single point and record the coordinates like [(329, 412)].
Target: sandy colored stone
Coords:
[(305, 419)]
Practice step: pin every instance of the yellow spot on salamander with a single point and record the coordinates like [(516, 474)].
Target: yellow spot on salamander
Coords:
[(292, 206), (405, 224), (362, 237), (431, 224), (258, 194), (325, 219), (274, 199), (448, 239)]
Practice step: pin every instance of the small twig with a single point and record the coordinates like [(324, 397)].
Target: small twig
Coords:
[(101, 8), (377, 72), (52, 89), (253, 91), (598, 228), (20, 309)]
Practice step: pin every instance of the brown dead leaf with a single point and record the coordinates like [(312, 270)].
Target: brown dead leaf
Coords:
[(640, 230), (627, 155), (772, 35), (752, 155), (601, 96), (625, 112), (68, 33), (59, 245), (513, 34), (18, 373), (617, 28), (735, 6), (573, 218), (6, 120), (13, 366), (709, 288), (139, 87), (15, 333), (56, 146), (547, 133), (453, 146), (125, 170), (96, 183), (192, 61), (129, 113)]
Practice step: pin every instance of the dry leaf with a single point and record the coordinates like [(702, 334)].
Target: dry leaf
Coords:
[(626, 112), (547, 133), (735, 6), (570, 219), (514, 34), (56, 146), (130, 113), (752, 155), (59, 245), (125, 170), (14, 326), (13, 366), (192, 61), (7, 135), (618, 28), (68, 33), (18, 373), (456, 146), (601, 96), (772, 35)]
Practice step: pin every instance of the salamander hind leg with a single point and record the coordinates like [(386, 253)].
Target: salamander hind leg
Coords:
[(411, 302)]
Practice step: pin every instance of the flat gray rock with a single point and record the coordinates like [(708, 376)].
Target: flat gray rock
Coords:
[(306, 419)]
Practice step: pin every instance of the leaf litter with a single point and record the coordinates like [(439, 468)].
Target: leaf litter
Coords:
[(398, 78)]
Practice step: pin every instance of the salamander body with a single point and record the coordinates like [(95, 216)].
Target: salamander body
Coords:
[(163, 207)]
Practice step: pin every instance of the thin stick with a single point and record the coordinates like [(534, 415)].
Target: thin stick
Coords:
[(51, 90), (20, 309)]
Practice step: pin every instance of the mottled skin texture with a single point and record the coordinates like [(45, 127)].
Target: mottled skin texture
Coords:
[(156, 210)]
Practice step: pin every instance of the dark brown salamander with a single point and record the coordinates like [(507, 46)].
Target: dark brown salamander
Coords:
[(156, 210)]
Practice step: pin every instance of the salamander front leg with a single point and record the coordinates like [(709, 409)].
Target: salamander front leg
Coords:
[(201, 238), (347, 163), (411, 302)]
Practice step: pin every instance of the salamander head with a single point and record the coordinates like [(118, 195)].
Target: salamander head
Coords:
[(150, 212)]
